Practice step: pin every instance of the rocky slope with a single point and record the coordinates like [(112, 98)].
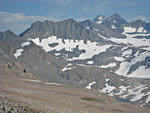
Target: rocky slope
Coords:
[(30, 95)]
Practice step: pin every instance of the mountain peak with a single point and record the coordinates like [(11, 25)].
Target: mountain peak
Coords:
[(99, 19), (139, 21), (116, 15), (114, 21), (69, 20), (8, 34)]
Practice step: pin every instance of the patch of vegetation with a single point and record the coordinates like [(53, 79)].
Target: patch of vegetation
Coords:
[(89, 99)]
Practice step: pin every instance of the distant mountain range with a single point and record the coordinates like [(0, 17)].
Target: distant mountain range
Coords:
[(107, 54)]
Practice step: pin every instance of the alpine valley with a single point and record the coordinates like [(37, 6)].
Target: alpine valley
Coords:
[(108, 54)]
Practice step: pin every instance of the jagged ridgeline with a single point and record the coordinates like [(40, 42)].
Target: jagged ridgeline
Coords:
[(108, 54)]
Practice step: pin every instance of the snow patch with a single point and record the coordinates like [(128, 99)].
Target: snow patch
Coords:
[(57, 54), (67, 67), (103, 36), (144, 31), (127, 53), (88, 27), (122, 90), (38, 81), (25, 44), (90, 62), (140, 30), (18, 52), (124, 48), (100, 18), (119, 58), (31, 80), (129, 29), (141, 72), (148, 98), (90, 85), (99, 22), (134, 42), (111, 65), (96, 30), (107, 88), (113, 27), (138, 93), (91, 50), (52, 84)]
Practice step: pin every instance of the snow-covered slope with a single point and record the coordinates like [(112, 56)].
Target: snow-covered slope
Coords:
[(20, 50), (142, 71), (132, 32), (137, 29), (89, 48), (130, 62)]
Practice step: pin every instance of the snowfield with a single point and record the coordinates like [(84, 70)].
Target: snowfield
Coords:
[(108, 89), (129, 29), (90, 85), (143, 43), (19, 51), (141, 72), (111, 65), (91, 48)]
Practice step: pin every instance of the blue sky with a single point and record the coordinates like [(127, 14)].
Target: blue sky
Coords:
[(18, 15)]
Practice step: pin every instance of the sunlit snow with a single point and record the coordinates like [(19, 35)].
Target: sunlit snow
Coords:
[(90, 62), (18, 52), (91, 48), (141, 72), (129, 29), (25, 44), (67, 68), (134, 42), (119, 58), (140, 30), (107, 88), (110, 65), (113, 27), (90, 85)]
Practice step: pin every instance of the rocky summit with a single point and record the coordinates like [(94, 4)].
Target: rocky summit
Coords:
[(77, 67)]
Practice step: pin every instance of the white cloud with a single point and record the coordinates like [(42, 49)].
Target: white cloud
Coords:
[(80, 19), (18, 22), (99, 7), (18, 17)]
